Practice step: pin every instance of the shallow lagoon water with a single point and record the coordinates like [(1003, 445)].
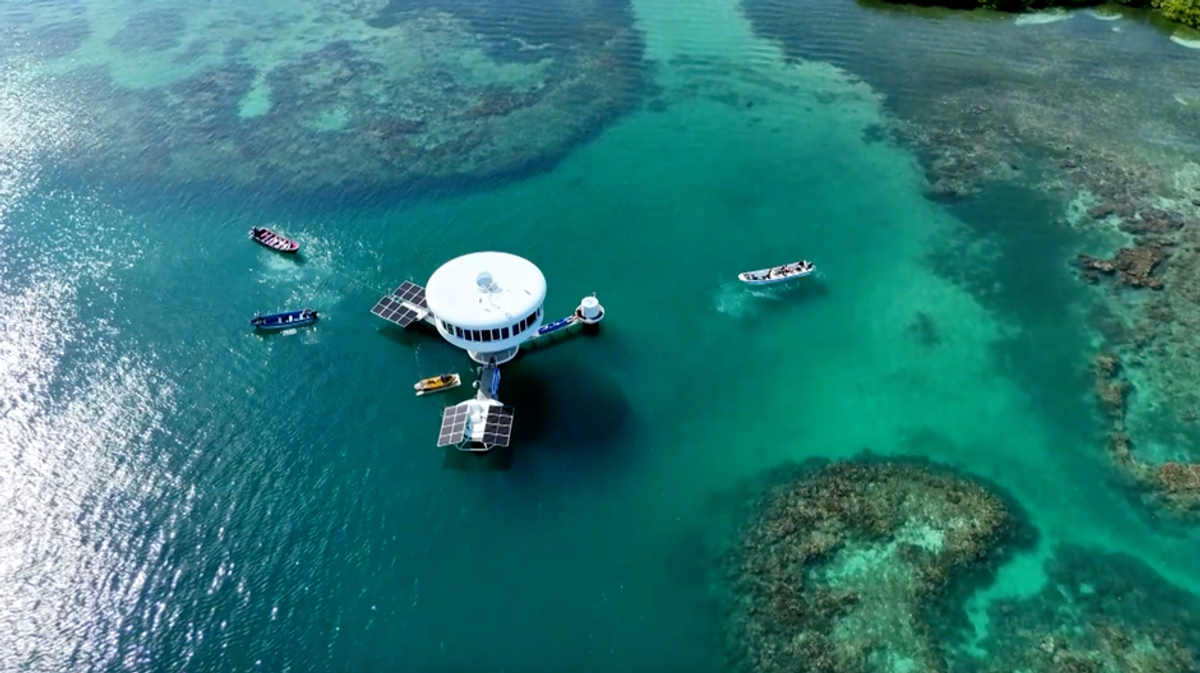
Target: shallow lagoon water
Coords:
[(180, 492)]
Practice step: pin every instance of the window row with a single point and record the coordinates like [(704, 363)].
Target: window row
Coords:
[(492, 334)]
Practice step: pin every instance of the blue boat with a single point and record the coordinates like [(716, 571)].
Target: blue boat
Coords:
[(555, 326), (286, 320)]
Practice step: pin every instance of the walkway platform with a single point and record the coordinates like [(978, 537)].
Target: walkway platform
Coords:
[(589, 314)]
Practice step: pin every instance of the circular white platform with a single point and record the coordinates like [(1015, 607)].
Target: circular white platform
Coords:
[(485, 290), (487, 303)]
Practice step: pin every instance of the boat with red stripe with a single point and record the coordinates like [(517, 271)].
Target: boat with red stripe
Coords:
[(274, 240)]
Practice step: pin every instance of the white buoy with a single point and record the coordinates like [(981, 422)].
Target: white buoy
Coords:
[(590, 310)]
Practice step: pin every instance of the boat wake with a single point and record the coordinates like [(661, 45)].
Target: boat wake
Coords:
[(309, 280), (277, 266), (736, 300)]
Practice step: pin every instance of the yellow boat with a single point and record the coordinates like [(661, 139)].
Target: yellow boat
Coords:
[(436, 384)]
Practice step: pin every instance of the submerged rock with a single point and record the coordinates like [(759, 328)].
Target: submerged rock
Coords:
[(860, 566)]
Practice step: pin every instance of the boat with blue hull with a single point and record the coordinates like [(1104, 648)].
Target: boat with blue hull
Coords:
[(286, 320), (560, 324)]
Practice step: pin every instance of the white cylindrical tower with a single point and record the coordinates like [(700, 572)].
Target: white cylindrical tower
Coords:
[(487, 303), (590, 311)]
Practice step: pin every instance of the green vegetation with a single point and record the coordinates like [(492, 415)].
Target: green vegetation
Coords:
[(1186, 12)]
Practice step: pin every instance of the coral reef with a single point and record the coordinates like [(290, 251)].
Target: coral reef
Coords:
[(1133, 266), (372, 99), (1111, 389), (859, 566), (866, 566), (1153, 337), (154, 30), (1170, 486), (1098, 612)]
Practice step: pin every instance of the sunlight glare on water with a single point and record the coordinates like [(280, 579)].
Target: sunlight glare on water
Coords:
[(70, 409)]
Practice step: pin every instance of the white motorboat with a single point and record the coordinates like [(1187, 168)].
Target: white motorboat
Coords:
[(777, 274)]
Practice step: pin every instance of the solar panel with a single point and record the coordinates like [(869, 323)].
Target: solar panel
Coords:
[(454, 424), (393, 311), (411, 293), (384, 305), (404, 316), (497, 425)]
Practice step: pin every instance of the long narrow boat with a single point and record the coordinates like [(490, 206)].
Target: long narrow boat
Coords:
[(437, 384), (273, 240), (555, 326), (777, 274), (285, 320)]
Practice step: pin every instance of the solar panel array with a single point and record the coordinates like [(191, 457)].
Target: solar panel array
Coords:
[(454, 424), (393, 311), (411, 293), (497, 425)]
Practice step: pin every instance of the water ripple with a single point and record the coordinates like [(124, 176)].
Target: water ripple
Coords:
[(77, 408), (65, 490)]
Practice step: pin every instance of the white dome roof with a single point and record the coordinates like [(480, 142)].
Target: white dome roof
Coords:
[(485, 289)]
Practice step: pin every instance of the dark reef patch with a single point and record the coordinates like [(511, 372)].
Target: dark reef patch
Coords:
[(43, 41), (1098, 612), (345, 121), (513, 31), (1011, 258), (151, 31)]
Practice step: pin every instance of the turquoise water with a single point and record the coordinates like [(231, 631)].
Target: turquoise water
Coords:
[(182, 494)]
